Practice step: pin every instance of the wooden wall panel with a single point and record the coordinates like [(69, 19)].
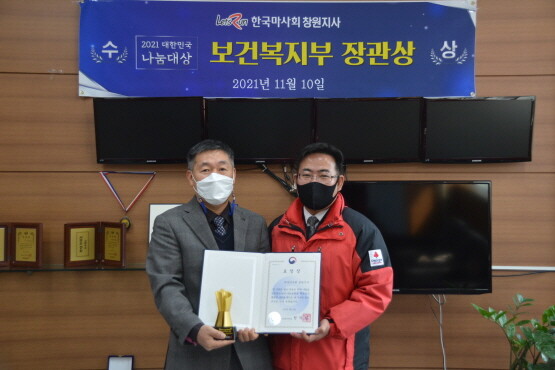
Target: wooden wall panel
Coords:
[(56, 198), (44, 125), (74, 320), (513, 37), (39, 36), (48, 173), (407, 335), (523, 206)]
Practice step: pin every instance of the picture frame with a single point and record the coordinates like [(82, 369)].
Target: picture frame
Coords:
[(80, 244), (26, 245), (112, 244)]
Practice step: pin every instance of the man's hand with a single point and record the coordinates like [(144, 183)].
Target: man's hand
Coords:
[(247, 335), (322, 331), (210, 338)]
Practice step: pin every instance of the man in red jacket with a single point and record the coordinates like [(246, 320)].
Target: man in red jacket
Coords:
[(357, 278)]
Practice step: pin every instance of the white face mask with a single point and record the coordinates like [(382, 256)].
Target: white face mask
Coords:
[(215, 188)]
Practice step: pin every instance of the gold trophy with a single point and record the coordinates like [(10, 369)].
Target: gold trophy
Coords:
[(223, 321)]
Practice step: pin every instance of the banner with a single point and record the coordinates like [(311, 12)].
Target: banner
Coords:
[(277, 49)]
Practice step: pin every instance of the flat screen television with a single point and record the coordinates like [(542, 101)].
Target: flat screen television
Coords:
[(438, 233), (371, 130), (474, 130), (146, 130), (261, 130)]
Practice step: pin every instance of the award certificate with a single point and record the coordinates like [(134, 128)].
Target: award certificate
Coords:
[(272, 292), (83, 244), (80, 244), (94, 244), (26, 245), (112, 242), (112, 245)]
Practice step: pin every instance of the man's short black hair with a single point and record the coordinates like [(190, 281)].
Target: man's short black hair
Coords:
[(206, 145), (324, 148)]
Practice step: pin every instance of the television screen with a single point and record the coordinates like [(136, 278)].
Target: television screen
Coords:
[(438, 233), (261, 130), (146, 130), (371, 130), (497, 129)]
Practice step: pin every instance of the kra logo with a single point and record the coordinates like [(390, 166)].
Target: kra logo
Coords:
[(292, 260), (236, 20), (376, 257)]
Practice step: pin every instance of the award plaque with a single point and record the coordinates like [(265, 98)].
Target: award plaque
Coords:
[(4, 243), (94, 244), (112, 244), (26, 245), (80, 244), (223, 320)]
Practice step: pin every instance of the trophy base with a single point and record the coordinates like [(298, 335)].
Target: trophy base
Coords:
[(229, 331)]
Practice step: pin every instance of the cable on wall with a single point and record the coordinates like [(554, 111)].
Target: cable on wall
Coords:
[(441, 299), (282, 182)]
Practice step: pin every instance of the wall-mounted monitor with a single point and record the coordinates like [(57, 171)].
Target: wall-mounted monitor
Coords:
[(261, 130), (146, 130), (438, 233), (474, 130), (371, 130)]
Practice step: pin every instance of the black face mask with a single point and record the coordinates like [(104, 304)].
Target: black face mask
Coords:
[(315, 195)]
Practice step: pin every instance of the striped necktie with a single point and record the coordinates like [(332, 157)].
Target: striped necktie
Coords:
[(219, 222)]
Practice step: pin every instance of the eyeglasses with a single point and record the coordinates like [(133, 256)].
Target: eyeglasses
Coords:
[(323, 178)]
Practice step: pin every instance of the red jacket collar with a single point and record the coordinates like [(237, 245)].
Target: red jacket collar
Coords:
[(294, 214)]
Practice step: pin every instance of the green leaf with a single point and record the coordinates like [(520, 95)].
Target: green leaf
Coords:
[(501, 318), (481, 310), (529, 340), (545, 343), (510, 331), (549, 316), (499, 314), (511, 320), (527, 332)]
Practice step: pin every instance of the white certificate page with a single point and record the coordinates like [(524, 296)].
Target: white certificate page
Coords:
[(292, 293), (271, 292)]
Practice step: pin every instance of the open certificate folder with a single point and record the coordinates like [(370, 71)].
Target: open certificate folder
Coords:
[(271, 292)]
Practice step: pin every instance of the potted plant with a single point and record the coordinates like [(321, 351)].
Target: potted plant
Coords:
[(532, 342)]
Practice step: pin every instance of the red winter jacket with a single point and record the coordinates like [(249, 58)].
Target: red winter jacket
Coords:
[(355, 289)]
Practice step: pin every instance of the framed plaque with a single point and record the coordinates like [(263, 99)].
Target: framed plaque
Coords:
[(112, 244), (4, 245), (26, 245), (80, 244)]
